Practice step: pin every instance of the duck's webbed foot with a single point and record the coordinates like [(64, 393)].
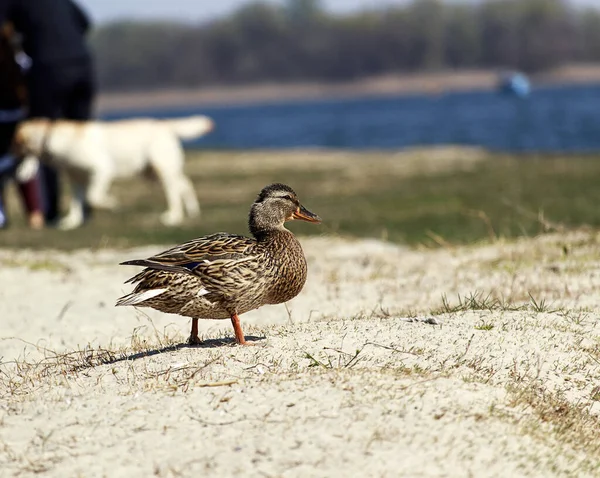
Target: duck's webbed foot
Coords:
[(194, 339)]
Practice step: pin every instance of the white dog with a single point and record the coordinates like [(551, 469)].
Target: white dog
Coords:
[(93, 153)]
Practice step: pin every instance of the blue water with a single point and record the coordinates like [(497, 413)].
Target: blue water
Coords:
[(549, 120)]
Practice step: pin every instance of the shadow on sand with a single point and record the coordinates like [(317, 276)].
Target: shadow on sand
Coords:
[(206, 344)]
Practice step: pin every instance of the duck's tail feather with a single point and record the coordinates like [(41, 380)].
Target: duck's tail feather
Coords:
[(158, 266), (136, 298)]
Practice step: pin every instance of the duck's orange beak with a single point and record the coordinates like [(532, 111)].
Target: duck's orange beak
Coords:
[(303, 214)]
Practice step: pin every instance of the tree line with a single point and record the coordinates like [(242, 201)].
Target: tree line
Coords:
[(300, 41)]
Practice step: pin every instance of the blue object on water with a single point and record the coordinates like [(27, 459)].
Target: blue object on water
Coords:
[(515, 84)]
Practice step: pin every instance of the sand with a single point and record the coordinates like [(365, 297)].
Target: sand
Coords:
[(376, 369)]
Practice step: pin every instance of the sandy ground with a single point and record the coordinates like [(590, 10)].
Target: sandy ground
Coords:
[(376, 369)]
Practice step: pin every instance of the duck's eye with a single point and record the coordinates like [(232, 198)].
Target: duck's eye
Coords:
[(289, 198)]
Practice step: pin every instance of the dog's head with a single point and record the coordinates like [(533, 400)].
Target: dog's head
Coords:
[(29, 138)]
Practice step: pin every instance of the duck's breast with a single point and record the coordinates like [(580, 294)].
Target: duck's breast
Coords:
[(287, 274)]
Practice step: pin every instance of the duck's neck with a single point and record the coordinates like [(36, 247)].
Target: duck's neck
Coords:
[(262, 224), (266, 236)]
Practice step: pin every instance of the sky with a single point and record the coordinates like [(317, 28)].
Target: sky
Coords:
[(199, 10), (194, 10)]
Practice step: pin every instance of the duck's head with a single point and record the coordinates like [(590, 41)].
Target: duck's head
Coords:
[(276, 204)]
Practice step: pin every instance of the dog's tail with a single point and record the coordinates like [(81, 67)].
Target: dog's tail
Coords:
[(191, 127)]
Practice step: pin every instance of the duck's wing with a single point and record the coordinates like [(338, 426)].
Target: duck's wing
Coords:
[(219, 250), (208, 248), (229, 277), (225, 269)]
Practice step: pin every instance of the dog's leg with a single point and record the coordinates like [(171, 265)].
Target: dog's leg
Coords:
[(75, 216), (172, 187), (174, 213), (166, 157), (97, 193), (189, 198)]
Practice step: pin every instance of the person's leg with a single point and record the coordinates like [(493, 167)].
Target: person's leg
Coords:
[(50, 192), (31, 194), (29, 189), (45, 96)]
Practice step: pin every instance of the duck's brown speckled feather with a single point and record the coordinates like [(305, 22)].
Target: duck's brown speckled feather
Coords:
[(229, 274), (214, 246)]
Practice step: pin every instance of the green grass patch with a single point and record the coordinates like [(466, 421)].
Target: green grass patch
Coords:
[(405, 198)]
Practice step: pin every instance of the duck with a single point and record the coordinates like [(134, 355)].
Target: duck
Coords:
[(221, 276)]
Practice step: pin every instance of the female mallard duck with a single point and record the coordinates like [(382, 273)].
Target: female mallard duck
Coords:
[(223, 275)]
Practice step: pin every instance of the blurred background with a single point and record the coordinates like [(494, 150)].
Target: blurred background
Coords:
[(393, 74), (421, 121)]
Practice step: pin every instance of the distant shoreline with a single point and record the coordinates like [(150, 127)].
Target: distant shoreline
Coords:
[(423, 83)]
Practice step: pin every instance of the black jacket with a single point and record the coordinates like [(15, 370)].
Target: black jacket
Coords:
[(53, 30)]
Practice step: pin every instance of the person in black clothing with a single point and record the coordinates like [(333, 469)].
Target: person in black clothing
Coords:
[(13, 101), (60, 81)]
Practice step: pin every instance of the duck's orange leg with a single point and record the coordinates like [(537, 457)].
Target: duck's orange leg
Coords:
[(194, 339), (237, 328)]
